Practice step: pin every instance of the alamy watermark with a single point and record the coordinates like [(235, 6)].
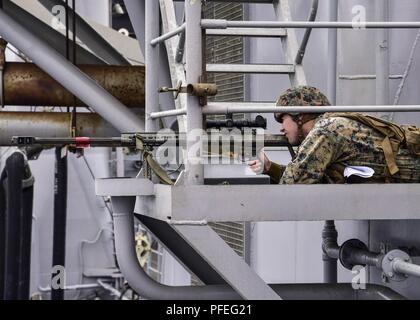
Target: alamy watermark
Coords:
[(359, 17), (223, 146), (58, 21), (359, 280), (58, 279)]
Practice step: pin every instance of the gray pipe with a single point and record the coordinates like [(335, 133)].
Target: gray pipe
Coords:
[(142, 283), (53, 38), (366, 258), (150, 289), (51, 125), (170, 34), (382, 55), (354, 254), (111, 289), (239, 107), (404, 267), (69, 76), (223, 24), (332, 54), (169, 113), (330, 253), (90, 37), (312, 17)]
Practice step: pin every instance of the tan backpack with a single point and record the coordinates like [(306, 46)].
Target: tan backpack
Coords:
[(395, 136)]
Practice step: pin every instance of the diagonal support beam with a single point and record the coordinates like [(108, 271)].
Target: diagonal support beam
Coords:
[(226, 262), (52, 37), (90, 37), (290, 44), (69, 76), (136, 11)]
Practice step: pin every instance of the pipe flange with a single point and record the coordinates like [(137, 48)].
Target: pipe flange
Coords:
[(346, 251), (387, 263)]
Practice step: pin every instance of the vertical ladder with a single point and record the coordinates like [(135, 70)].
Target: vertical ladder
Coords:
[(202, 238), (287, 36)]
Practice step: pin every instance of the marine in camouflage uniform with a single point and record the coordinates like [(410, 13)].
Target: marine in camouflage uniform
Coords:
[(335, 143)]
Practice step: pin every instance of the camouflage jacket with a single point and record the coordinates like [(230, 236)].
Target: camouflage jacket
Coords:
[(337, 142)]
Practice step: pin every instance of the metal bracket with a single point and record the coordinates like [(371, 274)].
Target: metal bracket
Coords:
[(200, 90), (384, 249), (3, 45), (388, 268), (179, 89)]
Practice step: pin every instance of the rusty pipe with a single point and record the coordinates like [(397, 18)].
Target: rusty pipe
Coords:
[(51, 124), (27, 85)]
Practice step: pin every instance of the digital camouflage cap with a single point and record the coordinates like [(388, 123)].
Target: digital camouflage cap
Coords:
[(301, 96)]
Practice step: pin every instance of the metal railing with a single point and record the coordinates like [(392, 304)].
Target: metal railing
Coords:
[(220, 108), (223, 24), (302, 48)]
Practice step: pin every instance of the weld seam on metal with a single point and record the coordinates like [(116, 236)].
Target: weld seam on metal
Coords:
[(188, 222)]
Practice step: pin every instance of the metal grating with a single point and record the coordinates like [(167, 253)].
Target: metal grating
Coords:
[(154, 264), (227, 50)]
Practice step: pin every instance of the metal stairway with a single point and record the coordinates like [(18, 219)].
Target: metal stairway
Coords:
[(287, 36), (202, 239)]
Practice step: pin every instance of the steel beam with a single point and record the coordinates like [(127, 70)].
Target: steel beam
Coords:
[(69, 76), (52, 37), (227, 262), (176, 68), (181, 250), (289, 43), (194, 170), (202, 204), (128, 187), (153, 65), (27, 85), (90, 37), (136, 12)]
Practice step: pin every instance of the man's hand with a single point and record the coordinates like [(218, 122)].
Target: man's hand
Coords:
[(261, 165)]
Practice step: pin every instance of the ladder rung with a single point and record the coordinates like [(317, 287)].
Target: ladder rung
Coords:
[(247, 32), (251, 68)]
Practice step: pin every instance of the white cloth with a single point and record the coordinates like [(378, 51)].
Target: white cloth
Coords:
[(363, 172)]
